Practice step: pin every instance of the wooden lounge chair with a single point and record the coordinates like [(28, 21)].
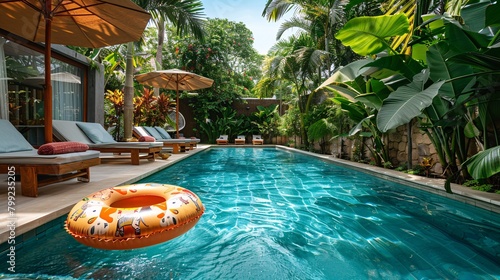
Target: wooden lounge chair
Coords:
[(240, 140), (192, 142), (222, 140), (177, 145), (257, 140), (19, 157), (94, 135)]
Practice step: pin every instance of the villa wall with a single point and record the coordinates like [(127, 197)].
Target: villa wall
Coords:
[(397, 146), (422, 147), (246, 107)]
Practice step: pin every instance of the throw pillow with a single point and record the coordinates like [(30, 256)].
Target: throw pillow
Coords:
[(96, 133), (164, 134), (62, 148), (147, 139)]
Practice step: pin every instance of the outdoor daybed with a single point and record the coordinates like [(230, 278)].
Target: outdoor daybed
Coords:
[(17, 156), (94, 135)]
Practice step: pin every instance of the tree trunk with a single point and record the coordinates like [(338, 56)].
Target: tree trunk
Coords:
[(128, 98), (159, 50)]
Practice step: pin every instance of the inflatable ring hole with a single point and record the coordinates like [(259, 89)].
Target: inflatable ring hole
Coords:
[(138, 201)]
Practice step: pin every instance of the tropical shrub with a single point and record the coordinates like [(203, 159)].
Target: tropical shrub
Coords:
[(450, 89)]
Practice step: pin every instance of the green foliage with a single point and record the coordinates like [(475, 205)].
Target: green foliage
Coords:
[(288, 125), (451, 98), (267, 121), (226, 56), (227, 123), (402, 168), (368, 35), (484, 164), (478, 185)]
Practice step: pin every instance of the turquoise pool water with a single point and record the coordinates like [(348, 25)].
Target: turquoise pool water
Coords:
[(274, 214)]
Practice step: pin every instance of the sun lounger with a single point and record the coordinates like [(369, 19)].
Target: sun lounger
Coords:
[(94, 135), (222, 140), (257, 140), (193, 141), (166, 136), (240, 140), (17, 156), (177, 145)]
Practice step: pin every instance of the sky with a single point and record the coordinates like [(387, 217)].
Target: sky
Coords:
[(250, 13)]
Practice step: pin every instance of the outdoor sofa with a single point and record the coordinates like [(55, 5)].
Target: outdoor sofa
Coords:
[(17, 156)]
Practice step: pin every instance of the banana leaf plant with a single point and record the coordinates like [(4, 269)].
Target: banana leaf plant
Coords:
[(448, 94)]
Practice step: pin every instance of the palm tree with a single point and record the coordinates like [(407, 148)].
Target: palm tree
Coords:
[(186, 15), (292, 63)]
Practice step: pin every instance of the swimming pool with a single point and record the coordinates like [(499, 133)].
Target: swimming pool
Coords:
[(275, 214)]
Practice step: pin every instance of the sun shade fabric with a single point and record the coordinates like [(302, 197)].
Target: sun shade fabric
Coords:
[(62, 148), (89, 23), (96, 133), (153, 132), (164, 134), (174, 79), (11, 140), (147, 139)]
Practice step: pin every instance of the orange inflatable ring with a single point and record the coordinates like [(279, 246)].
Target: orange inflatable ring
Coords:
[(133, 216)]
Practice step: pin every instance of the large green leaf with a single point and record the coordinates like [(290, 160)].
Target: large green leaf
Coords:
[(484, 164), (359, 127), (347, 73), (368, 35), (442, 69), (474, 15), (492, 12), (355, 111), (320, 129), (470, 130), (401, 64), (404, 104), (345, 92), (479, 61)]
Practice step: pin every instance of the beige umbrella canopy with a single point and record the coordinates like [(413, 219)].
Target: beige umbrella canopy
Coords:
[(84, 23), (174, 79)]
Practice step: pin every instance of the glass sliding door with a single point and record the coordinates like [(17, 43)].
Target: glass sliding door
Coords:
[(25, 82)]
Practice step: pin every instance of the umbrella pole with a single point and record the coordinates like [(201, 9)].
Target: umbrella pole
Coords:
[(47, 104), (177, 110)]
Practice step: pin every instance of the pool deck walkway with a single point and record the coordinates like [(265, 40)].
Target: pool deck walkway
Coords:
[(56, 200)]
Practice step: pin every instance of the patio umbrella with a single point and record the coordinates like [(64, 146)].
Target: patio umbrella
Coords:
[(174, 79), (84, 23)]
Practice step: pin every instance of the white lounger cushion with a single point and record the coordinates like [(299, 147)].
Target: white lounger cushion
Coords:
[(69, 131), (32, 157)]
